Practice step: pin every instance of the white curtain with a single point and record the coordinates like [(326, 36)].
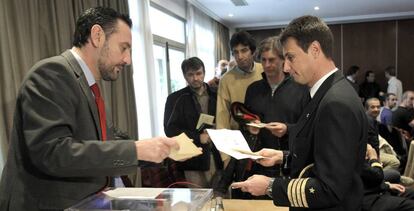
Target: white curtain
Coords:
[(201, 39), (143, 62)]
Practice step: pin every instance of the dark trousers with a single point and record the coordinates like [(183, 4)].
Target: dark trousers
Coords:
[(388, 201)]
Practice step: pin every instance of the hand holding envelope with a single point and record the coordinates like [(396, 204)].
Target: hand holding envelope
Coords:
[(187, 149), (255, 126)]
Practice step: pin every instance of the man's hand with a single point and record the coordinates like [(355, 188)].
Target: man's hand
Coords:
[(255, 185), (155, 149), (272, 157), (371, 153), (276, 128), (397, 187), (204, 138)]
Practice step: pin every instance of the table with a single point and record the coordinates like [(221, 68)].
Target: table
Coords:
[(249, 205)]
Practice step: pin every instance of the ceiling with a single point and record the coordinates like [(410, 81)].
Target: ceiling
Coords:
[(276, 13)]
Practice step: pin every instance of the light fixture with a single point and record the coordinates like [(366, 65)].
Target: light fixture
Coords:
[(231, 15), (316, 8)]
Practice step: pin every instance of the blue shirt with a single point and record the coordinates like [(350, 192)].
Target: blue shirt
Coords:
[(386, 116)]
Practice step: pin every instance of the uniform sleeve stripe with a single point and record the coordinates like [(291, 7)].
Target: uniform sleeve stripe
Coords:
[(289, 191), (303, 191), (299, 193), (295, 201), (376, 164)]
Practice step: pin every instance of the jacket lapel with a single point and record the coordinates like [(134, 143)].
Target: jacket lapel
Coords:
[(83, 83), (312, 106)]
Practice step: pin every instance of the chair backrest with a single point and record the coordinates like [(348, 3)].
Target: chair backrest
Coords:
[(394, 138)]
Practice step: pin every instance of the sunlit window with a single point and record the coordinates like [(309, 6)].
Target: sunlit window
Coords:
[(167, 26), (169, 45)]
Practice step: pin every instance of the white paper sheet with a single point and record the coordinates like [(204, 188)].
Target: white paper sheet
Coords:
[(232, 143), (258, 125), (134, 193)]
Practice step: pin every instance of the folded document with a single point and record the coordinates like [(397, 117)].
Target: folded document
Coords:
[(187, 148)]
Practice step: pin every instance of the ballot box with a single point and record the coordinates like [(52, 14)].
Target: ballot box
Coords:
[(147, 199)]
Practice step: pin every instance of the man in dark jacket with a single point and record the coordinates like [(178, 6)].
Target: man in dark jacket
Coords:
[(182, 113), (327, 145), (380, 195)]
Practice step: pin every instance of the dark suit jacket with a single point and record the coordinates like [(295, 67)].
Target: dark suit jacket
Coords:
[(331, 134), (56, 157)]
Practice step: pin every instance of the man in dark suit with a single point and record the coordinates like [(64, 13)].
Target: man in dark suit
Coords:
[(60, 151), (327, 145)]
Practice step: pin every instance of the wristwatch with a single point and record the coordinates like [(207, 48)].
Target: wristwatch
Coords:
[(269, 187)]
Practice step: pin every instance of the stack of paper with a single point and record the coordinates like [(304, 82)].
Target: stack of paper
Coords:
[(187, 148)]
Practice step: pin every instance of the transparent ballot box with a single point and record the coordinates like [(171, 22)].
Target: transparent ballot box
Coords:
[(147, 199)]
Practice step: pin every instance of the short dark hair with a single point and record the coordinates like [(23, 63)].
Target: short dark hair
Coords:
[(368, 72), (192, 64), (352, 70), (390, 70), (369, 100), (244, 38), (271, 44), (388, 95), (307, 29), (105, 17)]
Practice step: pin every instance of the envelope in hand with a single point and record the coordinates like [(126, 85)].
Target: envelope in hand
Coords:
[(187, 148)]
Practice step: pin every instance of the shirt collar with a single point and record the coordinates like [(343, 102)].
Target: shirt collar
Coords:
[(350, 78), (249, 71), (205, 92), (318, 84), (85, 68)]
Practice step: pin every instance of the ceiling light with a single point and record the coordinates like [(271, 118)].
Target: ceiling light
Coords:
[(231, 15), (316, 8)]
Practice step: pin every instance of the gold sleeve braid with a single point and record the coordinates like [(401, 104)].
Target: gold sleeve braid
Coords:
[(296, 190)]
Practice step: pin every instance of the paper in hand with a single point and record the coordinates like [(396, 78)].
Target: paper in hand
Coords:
[(232, 142), (187, 148), (247, 152), (258, 125), (205, 119)]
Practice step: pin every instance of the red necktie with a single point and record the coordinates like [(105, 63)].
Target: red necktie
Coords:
[(101, 109)]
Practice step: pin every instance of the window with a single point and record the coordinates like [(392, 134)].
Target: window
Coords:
[(169, 51), (167, 81), (205, 51), (167, 26)]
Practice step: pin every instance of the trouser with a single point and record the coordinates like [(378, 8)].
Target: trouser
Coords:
[(386, 201), (202, 178)]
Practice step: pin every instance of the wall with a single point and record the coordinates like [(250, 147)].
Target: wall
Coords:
[(371, 46)]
